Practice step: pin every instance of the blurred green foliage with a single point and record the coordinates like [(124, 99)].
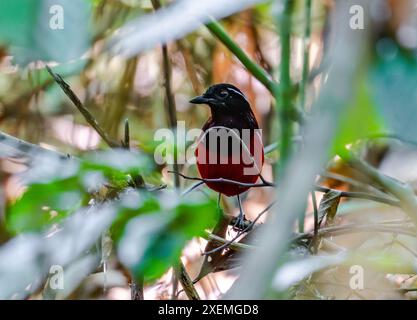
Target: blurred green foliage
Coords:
[(393, 79), (27, 26), (153, 242), (361, 119), (53, 194), (151, 227)]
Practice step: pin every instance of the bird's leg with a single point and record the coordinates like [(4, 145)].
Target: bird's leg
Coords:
[(240, 221), (219, 199)]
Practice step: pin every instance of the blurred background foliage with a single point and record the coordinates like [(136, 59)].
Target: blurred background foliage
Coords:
[(111, 217)]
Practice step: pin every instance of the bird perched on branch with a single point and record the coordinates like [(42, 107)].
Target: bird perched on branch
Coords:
[(230, 147)]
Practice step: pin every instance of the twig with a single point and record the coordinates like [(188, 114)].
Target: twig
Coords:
[(84, 111), (192, 188), (275, 145), (14, 147), (126, 142), (186, 282), (316, 222), (222, 180), (353, 228), (316, 213), (136, 289), (233, 245), (405, 290), (190, 67), (170, 100), (174, 281), (179, 270), (352, 182), (247, 229), (361, 195), (404, 192), (264, 183)]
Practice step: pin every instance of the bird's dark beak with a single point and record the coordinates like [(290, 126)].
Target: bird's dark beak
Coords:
[(200, 100)]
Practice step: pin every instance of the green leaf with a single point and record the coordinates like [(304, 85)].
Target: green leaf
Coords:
[(361, 120), (328, 206), (153, 242), (131, 205), (44, 204)]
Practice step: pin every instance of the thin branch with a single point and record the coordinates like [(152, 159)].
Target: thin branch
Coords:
[(247, 229), (404, 192), (136, 289), (352, 182), (190, 67), (186, 282), (233, 245), (126, 141), (192, 188), (405, 290), (169, 95), (84, 111), (354, 228), (222, 180), (14, 147), (179, 270), (316, 222), (275, 145), (361, 195), (264, 183)]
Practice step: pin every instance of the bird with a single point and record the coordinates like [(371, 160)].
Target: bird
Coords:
[(230, 146)]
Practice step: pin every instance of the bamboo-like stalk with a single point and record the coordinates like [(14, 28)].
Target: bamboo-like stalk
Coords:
[(306, 54), (304, 79), (283, 96), (258, 72)]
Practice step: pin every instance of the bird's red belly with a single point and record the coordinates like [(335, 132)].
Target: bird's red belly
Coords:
[(234, 167)]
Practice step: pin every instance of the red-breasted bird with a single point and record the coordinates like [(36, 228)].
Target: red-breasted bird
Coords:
[(231, 144)]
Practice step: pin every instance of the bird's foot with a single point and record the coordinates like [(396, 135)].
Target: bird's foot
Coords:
[(240, 223)]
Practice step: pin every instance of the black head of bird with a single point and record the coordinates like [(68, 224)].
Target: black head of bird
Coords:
[(229, 106), (223, 97)]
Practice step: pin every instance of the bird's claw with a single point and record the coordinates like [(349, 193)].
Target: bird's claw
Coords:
[(240, 224)]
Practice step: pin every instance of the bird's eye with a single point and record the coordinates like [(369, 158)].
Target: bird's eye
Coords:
[(224, 93)]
